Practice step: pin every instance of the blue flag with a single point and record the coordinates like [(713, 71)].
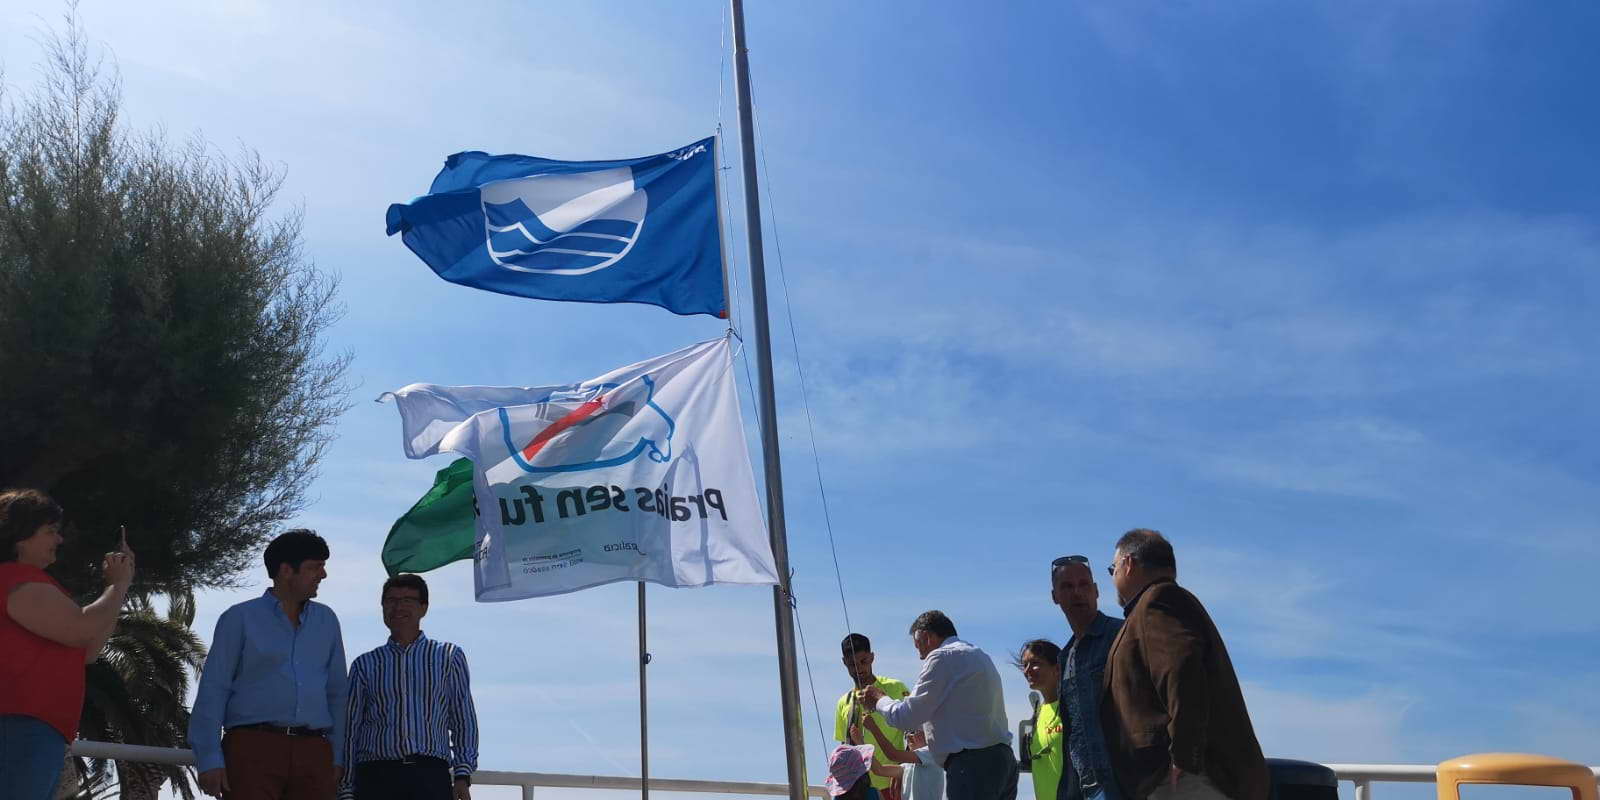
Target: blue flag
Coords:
[(639, 230)]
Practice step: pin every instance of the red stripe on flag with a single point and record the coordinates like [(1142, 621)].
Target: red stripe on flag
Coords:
[(574, 417)]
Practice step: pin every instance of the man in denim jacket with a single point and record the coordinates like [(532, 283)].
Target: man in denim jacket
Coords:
[(1083, 665)]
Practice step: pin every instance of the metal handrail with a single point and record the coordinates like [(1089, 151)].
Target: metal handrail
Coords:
[(1362, 775), (1393, 773), (1365, 775), (528, 781)]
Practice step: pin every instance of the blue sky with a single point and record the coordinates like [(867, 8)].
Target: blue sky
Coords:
[(1310, 287)]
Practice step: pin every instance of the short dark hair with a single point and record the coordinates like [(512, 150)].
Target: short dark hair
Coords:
[(1149, 548), (855, 643), (406, 580), (294, 548), (934, 622), (22, 513), (1043, 648)]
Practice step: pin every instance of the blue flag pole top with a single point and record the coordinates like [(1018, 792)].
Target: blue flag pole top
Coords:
[(638, 230)]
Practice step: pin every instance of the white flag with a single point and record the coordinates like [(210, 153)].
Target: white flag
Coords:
[(639, 474)]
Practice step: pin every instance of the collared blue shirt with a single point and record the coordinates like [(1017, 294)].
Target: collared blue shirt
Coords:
[(410, 700), (262, 668), (1083, 670)]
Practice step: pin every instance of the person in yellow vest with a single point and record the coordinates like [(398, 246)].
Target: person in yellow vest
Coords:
[(848, 727), (1040, 661)]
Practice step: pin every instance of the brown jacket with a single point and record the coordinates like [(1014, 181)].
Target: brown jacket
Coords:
[(1171, 697)]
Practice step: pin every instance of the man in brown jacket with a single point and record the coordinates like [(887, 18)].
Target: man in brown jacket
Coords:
[(1173, 715)]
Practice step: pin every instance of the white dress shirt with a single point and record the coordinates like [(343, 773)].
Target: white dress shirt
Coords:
[(957, 701)]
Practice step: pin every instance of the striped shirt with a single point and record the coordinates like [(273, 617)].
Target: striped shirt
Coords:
[(414, 700)]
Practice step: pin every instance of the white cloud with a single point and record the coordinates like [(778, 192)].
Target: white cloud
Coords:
[(1363, 729), (1566, 725)]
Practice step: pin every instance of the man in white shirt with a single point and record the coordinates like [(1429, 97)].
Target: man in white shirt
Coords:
[(958, 702)]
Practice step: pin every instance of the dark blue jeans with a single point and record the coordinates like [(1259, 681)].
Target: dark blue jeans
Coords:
[(31, 754), (986, 774)]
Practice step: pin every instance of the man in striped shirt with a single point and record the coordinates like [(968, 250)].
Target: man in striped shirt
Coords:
[(411, 730)]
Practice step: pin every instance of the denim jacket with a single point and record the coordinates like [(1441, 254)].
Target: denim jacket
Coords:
[(1083, 668)]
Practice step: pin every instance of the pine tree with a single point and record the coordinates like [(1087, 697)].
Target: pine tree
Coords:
[(161, 361)]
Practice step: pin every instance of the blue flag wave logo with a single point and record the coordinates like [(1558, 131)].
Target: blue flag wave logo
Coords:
[(565, 224), (641, 230)]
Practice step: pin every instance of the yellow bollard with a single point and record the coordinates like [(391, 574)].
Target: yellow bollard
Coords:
[(1515, 769)]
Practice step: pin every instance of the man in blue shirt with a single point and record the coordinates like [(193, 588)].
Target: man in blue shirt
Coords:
[(412, 729), (274, 682), (1083, 665)]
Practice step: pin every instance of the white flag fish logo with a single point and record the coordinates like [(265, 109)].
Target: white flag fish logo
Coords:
[(563, 224)]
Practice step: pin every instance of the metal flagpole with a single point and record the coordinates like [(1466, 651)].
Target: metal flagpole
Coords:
[(644, 708), (782, 610)]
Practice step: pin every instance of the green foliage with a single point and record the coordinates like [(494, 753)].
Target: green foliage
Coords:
[(135, 694), (160, 356)]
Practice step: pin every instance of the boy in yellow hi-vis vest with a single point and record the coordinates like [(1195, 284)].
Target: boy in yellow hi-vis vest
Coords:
[(848, 727)]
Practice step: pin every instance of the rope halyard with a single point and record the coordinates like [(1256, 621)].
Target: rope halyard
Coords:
[(805, 655), (794, 341)]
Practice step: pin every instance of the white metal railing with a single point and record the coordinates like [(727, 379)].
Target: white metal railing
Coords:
[(1362, 775), (527, 781)]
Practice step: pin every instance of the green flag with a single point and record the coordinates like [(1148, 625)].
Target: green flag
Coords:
[(439, 529)]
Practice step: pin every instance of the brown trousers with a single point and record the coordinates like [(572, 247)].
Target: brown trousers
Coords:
[(263, 765)]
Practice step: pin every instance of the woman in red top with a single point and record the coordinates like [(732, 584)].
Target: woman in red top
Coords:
[(45, 639)]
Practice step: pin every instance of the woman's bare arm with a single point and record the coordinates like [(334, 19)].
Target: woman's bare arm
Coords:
[(91, 651), (45, 611)]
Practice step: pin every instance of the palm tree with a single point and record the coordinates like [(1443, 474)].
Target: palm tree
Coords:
[(136, 694)]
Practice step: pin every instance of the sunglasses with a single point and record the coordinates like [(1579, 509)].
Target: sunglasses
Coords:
[(1065, 560)]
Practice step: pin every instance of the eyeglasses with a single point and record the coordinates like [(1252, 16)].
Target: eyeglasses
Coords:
[(1065, 560)]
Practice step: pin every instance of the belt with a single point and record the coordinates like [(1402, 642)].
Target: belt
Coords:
[(415, 759), (286, 730), (949, 758)]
